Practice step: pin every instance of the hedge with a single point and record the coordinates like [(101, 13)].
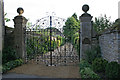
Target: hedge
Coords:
[(99, 64), (112, 70)]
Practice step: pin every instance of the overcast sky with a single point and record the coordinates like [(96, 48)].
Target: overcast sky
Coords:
[(36, 9)]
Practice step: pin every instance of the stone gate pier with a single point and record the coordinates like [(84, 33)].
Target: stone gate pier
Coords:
[(85, 31), (19, 31)]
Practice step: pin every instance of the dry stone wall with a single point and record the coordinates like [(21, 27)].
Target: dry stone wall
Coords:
[(110, 46)]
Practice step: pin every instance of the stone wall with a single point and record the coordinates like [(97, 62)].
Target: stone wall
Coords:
[(109, 43), (9, 37), (1, 33)]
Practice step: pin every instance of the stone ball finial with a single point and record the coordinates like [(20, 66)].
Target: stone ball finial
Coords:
[(20, 10), (85, 8)]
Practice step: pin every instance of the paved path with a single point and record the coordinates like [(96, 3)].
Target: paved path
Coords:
[(48, 71), (16, 75)]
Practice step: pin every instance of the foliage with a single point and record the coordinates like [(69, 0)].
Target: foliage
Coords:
[(87, 73), (8, 54), (60, 41), (99, 65), (42, 44), (92, 54), (84, 64), (12, 64), (28, 25), (35, 44), (6, 19), (112, 70), (116, 24), (71, 31), (75, 41), (102, 23), (72, 25), (75, 38), (75, 16)]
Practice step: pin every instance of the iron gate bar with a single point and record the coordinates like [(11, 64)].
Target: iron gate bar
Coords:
[(50, 40)]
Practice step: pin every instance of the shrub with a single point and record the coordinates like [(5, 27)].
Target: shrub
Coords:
[(112, 70), (84, 64), (8, 54), (12, 64), (88, 73), (99, 64), (92, 54)]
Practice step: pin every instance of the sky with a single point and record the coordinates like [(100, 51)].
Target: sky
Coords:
[(37, 9)]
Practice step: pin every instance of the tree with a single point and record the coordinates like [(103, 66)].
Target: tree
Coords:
[(102, 23), (75, 16), (71, 27), (116, 24)]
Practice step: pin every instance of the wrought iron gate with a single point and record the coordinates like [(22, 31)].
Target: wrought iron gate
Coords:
[(46, 44)]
